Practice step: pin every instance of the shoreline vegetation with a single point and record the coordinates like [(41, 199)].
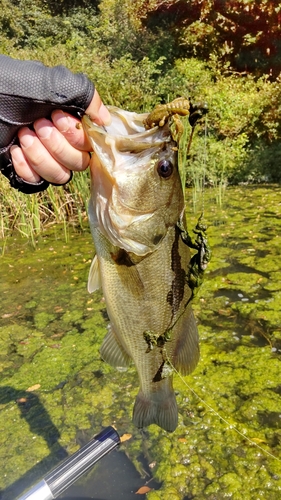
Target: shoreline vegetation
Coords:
[(151, 52)]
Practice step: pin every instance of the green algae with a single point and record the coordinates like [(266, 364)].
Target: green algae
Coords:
[(53, 382)]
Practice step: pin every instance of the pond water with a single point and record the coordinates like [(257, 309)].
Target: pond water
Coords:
[(56, 393)]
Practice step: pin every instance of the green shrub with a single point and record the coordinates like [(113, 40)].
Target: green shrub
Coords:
[(134, 62)]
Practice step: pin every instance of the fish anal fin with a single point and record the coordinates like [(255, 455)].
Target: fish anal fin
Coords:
[(94, 279), (112, 351), (152, 409), (186, 353)]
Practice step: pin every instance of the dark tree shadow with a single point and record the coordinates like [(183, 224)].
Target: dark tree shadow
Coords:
[(40, 423), (115, 476)]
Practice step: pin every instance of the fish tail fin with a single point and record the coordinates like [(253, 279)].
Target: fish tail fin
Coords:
[(158, 408)]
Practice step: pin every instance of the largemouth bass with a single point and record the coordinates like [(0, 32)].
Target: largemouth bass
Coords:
[(141, 260)]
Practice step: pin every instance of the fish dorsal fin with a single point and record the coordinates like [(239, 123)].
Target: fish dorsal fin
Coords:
[(186, 354), (112, 351), (94, 279)]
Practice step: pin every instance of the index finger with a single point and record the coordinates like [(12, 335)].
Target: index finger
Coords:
[(68, 125), (98, 111)]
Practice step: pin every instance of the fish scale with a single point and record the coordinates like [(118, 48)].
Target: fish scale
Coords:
[(141, 261)]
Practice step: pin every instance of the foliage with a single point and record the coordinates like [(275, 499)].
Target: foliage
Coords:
[(243, 33), (153, 51)]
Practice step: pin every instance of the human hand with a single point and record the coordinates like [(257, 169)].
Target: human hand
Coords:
[(56, 147)]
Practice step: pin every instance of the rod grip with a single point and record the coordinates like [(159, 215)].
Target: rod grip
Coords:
[(60, 478)]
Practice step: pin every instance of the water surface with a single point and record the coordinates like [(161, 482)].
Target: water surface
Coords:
[(54, 388)]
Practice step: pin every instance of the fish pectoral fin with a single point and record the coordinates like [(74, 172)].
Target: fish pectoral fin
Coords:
[(94, 279), (158, 408), (186, 353), (112, 351)]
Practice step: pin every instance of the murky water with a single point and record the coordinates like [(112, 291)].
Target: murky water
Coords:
[(54, 388)]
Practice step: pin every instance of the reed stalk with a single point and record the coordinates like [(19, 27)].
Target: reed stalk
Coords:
[(28, 215)]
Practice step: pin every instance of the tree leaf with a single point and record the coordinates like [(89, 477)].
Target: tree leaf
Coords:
[(182, 440), (125, 437), (143, 490), (33, 388)]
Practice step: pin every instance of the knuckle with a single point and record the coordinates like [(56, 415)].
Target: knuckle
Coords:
[(61, 176)]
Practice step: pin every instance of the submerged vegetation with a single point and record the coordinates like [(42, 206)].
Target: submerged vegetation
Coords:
[(54, 386), (224, 53)]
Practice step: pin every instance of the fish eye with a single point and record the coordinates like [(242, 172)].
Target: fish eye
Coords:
[(165, 168)]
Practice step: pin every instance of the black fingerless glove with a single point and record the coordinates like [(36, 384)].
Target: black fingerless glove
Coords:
[(28, 91)]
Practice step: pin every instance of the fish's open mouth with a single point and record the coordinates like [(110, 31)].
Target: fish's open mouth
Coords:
[(132, 201)]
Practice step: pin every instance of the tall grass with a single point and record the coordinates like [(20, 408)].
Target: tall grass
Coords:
[(29, 214), (192, 164)]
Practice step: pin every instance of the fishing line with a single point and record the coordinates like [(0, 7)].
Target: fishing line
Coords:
[(231, 426)]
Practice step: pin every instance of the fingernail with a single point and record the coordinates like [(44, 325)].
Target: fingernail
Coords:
[(26, 138), (43, 131), (62, 121), (104, 115)]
